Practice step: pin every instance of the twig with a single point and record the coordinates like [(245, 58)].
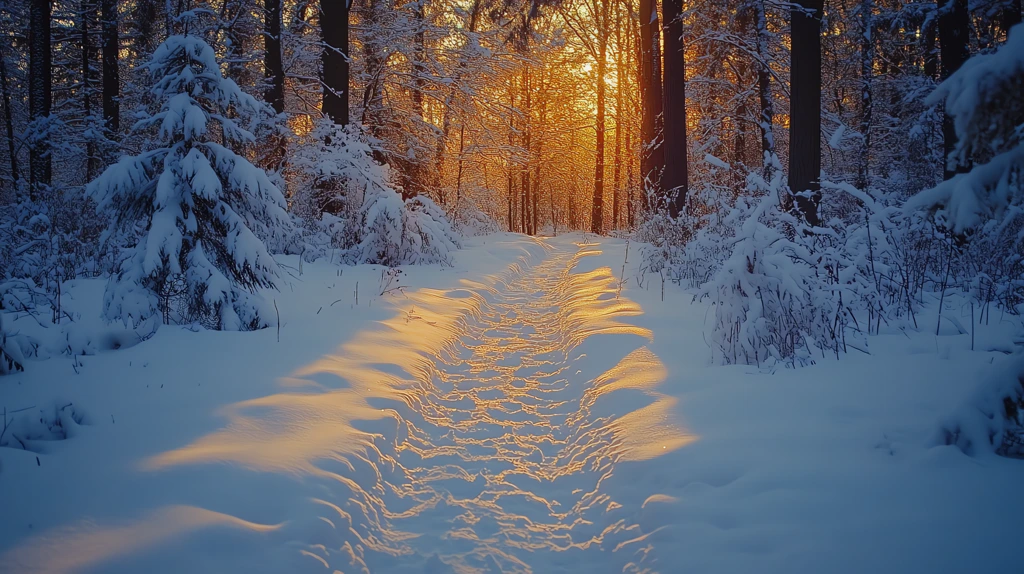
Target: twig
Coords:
[(278, 319), (622, 276), (5, 426)]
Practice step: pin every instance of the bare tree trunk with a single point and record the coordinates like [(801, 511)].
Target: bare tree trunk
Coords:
[(40, 98), (334, 59), (525, 168), (111, 72), (8, 116), (652, 153), (1010, 15), (676, 178), (538, 159), (86, 13), (764, 91), (619, 124), (273, 64), (954, 45), (419, 67), (597, 213), (805, 108), (867, 67)]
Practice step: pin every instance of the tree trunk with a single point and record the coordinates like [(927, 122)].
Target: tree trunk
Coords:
[(111, 75), (676, 178), (954, 46), (273, 65), (40, 96), (597, 213), (867, 70), (619, 124), (419, 68), (764, 91), (87, 11), (524, 174), (1010, 15), (931, 59), (805, 109), (538, 159), (334, 59), (652, 160), (8, 116)]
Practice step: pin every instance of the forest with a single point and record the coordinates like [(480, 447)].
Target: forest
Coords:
[(835, 159), (479, 286)]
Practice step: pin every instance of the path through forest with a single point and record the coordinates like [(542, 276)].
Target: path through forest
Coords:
[(496, 453)]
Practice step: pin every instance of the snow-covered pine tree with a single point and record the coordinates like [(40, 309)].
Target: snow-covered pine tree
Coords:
[(983, 98), (198, 259)]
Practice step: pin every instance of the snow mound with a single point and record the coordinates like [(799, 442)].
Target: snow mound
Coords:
[(992, 421)]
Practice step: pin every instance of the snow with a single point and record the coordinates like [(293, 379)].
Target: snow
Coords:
[(983, 99), (538, 405)]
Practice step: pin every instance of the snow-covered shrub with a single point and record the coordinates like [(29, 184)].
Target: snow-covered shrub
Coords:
[(348, 202), (784, 292), (11, 359), (199, 258), (663, 253), (395, 232), (993, 419), (469, 220), (983, 209), (984, 99), (428, 234)]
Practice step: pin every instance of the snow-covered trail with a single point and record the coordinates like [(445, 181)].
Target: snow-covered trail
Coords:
[(497, 451), (476, 431), (525, 410), (494, 456)]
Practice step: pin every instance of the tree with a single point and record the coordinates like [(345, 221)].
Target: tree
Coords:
[(652, 160), (867, 64), (273, 64), (5, 93), (954, 46), (597, 212), (111, 74), (335, 59), (805, 108), (764, 90), (205, 208), (676, 178), (40, 96), (983, 104)]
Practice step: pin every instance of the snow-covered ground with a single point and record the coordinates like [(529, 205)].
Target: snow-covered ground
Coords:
[(536, 407)]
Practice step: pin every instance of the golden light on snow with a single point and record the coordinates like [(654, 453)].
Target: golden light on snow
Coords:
[(85, 544), (480, 404)]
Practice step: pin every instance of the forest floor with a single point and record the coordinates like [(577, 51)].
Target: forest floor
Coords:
[(540, 406)]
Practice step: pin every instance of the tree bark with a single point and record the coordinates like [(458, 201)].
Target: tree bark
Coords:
[(273, 65), (805, 109), (111, 74), (1010, 15), (334, 59), (597, 212), (652, 160), (867, 71), (620, 80), (954, 46), (87, 11), (8, 115), (419, 67), (676, 178), (524, 173), (40, 97), (764, 91)]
